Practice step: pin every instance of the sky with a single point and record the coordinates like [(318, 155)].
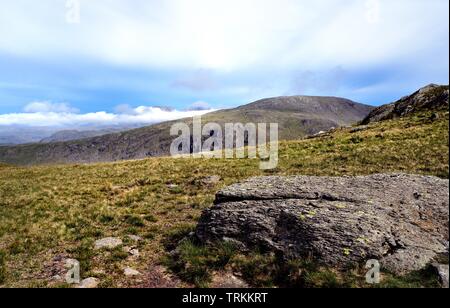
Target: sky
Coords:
[(116, 61)]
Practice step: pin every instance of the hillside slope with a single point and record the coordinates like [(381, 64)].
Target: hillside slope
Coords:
[(432, 97), (297, 117), (74, 134)]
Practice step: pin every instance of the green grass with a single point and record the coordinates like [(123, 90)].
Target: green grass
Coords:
[(2, 266), (194, 263), (46, 211), (197, 264)]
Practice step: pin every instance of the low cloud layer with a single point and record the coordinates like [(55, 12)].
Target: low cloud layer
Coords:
[(63, 115)]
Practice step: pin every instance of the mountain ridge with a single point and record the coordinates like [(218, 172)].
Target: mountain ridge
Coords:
[(298, 116), (431, 97)]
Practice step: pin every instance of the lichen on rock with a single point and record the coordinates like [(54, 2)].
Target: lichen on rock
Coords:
[(401, 220)]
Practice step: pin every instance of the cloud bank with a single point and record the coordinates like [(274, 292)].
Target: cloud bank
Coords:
[(63, 115)]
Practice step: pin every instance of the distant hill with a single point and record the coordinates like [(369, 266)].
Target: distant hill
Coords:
[(14, 135), (23, 134), (68, 135), (429, 98), (298, 116)]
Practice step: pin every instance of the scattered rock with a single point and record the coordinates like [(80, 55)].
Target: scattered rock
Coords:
[(322, 132), (108, 243), (57, 268), (442, 271), (129, 272), (89, 283), (340, 221), (134, 252), (228, 281)]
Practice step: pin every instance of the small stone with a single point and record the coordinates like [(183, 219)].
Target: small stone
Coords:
[(134, 252), (108, 242), (228, 281), (129, 272), (89, 283)]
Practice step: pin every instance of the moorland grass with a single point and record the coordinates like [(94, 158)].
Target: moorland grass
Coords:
[(47, 211)]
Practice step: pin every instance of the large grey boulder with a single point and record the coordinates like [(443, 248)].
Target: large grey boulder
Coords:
[(400, 220)]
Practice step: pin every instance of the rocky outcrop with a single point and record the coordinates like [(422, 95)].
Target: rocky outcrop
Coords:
[(430, 98), (401, 220)]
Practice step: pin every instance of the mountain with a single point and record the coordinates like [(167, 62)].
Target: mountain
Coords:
[(430, 98), (68, 135), (15, 134), (298, 116), (20, 134)]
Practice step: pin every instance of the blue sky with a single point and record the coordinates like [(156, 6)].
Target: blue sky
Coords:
[(204, 54)]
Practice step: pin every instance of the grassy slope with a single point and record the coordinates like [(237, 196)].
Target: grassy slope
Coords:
[(51, 210)]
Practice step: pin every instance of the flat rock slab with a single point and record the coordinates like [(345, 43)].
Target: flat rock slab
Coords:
[(108, 243), (130, 272), (400, 220)]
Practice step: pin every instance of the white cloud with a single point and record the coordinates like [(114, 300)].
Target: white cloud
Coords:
[(124, 109), (228, 34), (47, 107), (139, 115)]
